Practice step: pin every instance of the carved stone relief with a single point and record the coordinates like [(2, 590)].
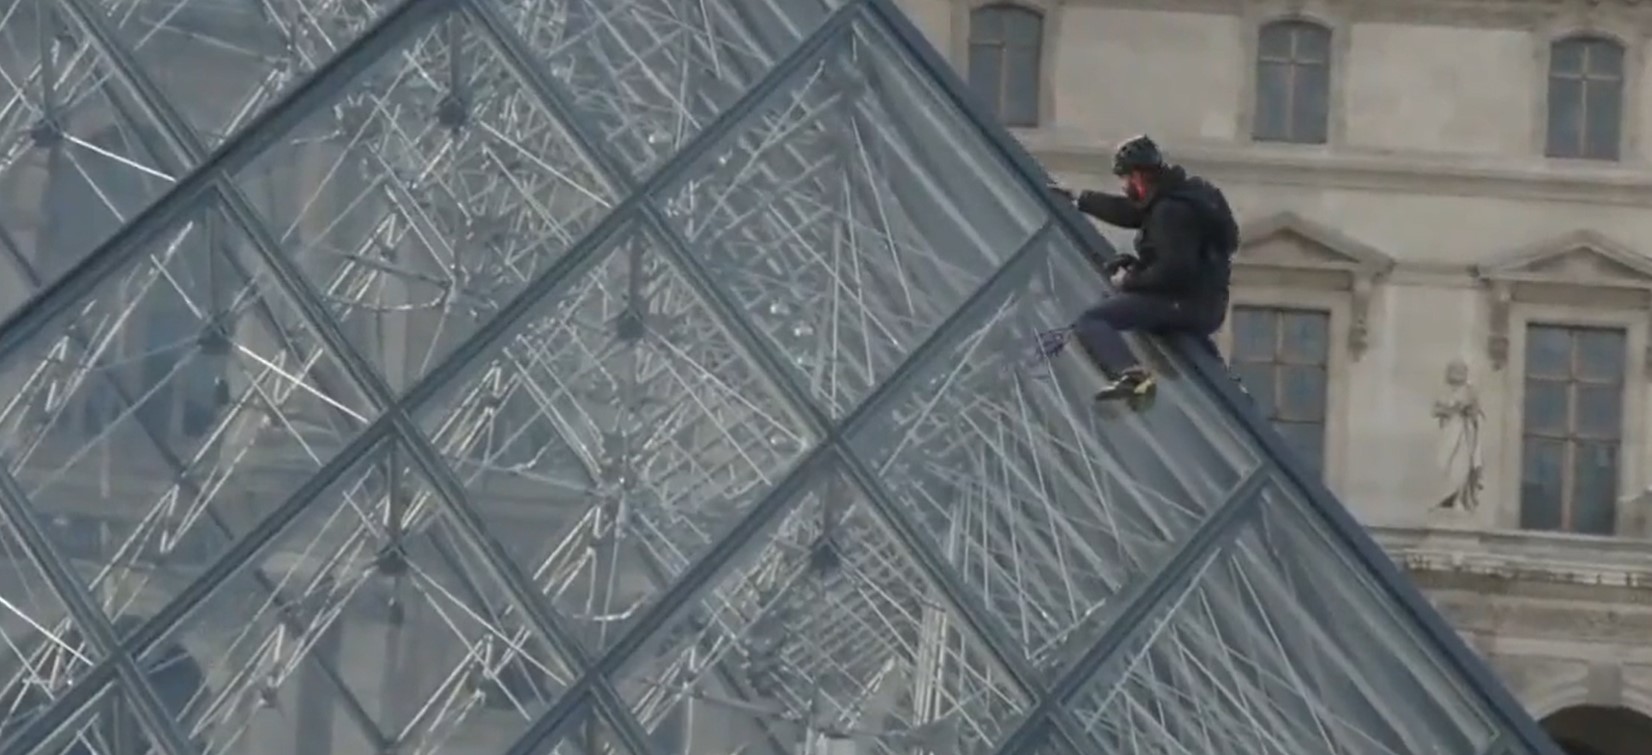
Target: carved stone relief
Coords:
[(1580, 269), (1548, 620), (1289, 250)]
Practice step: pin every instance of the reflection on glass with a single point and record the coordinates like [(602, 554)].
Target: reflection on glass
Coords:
[(825, 216), (1280, 646), (831, 622), (1047, 505)]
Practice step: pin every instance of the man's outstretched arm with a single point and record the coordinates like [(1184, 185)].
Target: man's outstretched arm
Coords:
[(1111, 209)]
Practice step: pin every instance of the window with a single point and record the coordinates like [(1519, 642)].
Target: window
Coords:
[(1005, 45), (1293, 83), (1571, 429), (1585, 98), (1282, 356)]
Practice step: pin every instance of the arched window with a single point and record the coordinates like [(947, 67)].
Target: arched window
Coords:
[(1006, 43), (1293, 83), (1585, 98)]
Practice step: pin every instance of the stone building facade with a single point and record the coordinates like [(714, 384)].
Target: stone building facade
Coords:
[(1422, 184)]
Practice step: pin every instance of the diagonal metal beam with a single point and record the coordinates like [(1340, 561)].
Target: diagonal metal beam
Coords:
[(729, 317), (557, 277), (824, 459), (94, 626), (1212, 377), (450, 493), (179, 470), (399, 23), (1241, 506), (183, 149)]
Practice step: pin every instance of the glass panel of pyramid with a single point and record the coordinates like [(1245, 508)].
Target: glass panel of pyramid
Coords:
[(585, 376)]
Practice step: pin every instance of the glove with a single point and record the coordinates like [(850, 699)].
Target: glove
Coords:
[(1062, 192), (1116, 263)]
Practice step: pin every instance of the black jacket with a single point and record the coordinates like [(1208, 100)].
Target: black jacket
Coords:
[(1185, 235)]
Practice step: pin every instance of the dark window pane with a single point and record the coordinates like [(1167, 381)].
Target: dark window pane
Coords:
[(1023, 27), (1307, 440), (1310, 119), (1541, 484), (1565, 117), (1604, 60), (1313, 44), (1021, 86), (1302, 394), (985, 74), (986, 25), (1599, 411), (1254, 334), (1603, 119), (1566, 58), (1273, 87), (1594, 488), (1546, 408), (1305, 337), (1548, 352), (1600, 354), (1258, 380), (1275, 41)]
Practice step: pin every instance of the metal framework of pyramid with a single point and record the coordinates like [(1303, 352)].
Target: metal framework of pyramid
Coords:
[(590, 376)]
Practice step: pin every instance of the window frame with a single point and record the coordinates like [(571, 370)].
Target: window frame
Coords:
[(1278, 300), (1258, 16), (1292, 106), (1287, 261), (1050, 11), (1625, 100), (1545, 317), (1583, 280), (1604, 23)]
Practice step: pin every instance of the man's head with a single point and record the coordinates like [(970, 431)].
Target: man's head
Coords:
[(1138, 162)]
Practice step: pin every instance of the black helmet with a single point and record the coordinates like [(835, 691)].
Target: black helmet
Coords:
[(1137, 153)]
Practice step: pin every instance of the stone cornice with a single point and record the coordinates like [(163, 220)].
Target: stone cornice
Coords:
[(1472, 13), (1516, 562), (1438, 175)]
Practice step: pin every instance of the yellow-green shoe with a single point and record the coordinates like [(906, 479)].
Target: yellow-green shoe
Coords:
[(1137, 387)]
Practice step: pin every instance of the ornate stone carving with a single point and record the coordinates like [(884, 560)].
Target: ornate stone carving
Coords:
[(1582, 269), (1290, 250), (1544, 620), (1459, 414), (1497, 345)]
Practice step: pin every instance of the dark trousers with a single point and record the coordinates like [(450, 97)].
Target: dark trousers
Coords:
[(1100, 329)]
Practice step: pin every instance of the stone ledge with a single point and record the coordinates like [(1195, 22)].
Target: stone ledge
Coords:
[(1460, 557), (1517, 178)]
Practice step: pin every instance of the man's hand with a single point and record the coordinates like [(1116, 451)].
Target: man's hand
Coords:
[(1117, 278), (1061, 192), (1117, 263)]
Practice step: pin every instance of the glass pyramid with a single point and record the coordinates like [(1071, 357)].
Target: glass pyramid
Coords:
[(619, 376)]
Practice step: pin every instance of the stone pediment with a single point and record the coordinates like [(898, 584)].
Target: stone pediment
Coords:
[(1582, 268), (1286, 249), (1288, 240), (1577, 258)]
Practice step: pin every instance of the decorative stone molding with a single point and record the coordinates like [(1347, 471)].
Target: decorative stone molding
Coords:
[(1518, 14), (1348, 168), (1582, 270), (1291, 251)]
